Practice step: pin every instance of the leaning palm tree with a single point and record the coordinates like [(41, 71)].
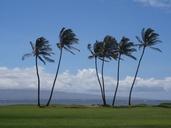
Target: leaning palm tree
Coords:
[(42, 51), (125, 47), (148, 39), (67, 38), (96, 53)]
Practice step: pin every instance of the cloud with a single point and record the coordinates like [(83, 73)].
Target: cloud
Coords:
[(156, 3), (83, 81)]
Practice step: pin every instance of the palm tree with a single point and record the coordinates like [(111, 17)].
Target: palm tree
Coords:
[(67, 38), (148, 39), (102, 50), (42, 51), (109, 44), (125, 47), (96, 53)]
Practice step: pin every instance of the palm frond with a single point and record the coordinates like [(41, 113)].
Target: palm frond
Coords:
[(149, 37), (67, 38), (142, 33), (90, 49), (69, 50), (131, 50), (46, 53), (59, 45), (47, 48), (126, 47), (103, 59), (140, 46), (91, 56), (98, 48), (42, 48), (131, 56), (114, 56), (41, 59), (26, 55), (32, 45), (71, 47), (61, 32), (157, 49), (109, 42), (41, 42), (139, 40), (75, 48), (147, 33), (48, 59)]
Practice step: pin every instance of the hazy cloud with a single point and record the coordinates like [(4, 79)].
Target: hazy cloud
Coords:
[(83, 81), (156, 3)]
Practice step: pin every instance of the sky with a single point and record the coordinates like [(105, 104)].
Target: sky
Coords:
[(22, 21)]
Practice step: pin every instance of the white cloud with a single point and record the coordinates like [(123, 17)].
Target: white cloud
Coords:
[(21, 78), (84, 81), (156, 3)]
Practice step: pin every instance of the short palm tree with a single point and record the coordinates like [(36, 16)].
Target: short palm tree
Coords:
[(67, 38), (148, 39), (42, 51), (125, 47)]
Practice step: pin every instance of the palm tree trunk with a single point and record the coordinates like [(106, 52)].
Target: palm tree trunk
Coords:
[(117, 85), (98, 78), (55, 78), (130, 93), (38, 83), (103, 86)]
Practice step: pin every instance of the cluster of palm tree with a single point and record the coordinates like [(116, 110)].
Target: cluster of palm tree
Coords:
[(105, 51), (42, 51), (109, 49)]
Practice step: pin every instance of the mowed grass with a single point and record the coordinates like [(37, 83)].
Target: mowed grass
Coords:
[(84, 117)]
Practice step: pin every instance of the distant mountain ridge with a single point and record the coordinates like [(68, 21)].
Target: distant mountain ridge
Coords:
[(8, 97)]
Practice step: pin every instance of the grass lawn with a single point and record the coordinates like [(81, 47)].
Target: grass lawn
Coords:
[(84, 117)]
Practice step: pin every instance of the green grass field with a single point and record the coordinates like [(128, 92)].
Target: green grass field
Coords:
[(84, 117)]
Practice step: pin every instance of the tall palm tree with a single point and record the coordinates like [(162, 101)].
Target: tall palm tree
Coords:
[(67, 38), (149, 38), (125, 47), (102, 50), (109, 44), (96, 53), (42, 51)]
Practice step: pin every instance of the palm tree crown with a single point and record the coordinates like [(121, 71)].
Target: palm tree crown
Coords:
[(125, 47), (106, 48), (67, 38), (97, 50), (41, 49), (110, 47), (148, 39)]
